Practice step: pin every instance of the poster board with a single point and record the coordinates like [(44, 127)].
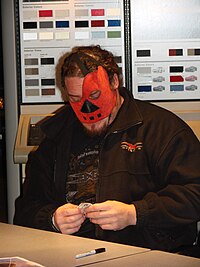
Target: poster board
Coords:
[(48, 29), (165, 48)]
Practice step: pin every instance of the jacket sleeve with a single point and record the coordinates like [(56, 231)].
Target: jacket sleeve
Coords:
[(177, 171), (37, 202)]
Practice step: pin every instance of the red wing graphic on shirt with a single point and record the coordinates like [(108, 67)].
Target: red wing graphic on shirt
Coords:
[(130, 147)]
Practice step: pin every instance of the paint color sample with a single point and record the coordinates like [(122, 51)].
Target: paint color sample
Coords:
[(82, 35), (45, 13), (30, 36), (143, 70), (81, 12), (98, 35), (144, 88), (32, 92), (193, 52), (177, 78), (173, 69), (30, 25), (114, 23), (144, 79), (62, 35), (97, 23), (97, 12), (197, 52), (42, 1), (31, 61), (47, 61), (47, 81), (48, 91), (61, 13), (46, 24), (30, 14), (62, 24), (175, 52), (113, 12), (143, 53), (31, 71), (32, 82), (82, 24), (46, 35), (118, 59), (176, 88), (114, 34)]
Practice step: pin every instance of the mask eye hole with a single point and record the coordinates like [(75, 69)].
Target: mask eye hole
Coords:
[(74, 99), (95, 94)]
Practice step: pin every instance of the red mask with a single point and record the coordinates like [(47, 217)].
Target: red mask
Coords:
[(92, 110)]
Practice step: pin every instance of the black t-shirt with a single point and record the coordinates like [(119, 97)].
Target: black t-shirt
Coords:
[(83, 173)]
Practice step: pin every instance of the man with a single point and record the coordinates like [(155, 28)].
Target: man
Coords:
[(112, 167)]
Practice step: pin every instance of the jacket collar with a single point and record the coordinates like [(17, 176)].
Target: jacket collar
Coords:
[(64, 118), (128, 116)]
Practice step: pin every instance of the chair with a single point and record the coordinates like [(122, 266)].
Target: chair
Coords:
[(194, 250)]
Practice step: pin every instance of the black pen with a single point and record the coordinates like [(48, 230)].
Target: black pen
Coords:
[(89, 253)]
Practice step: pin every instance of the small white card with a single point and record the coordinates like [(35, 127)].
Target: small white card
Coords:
[(18, 262), (84, 206)]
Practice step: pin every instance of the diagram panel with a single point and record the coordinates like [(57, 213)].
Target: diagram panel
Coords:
[(165, 37)]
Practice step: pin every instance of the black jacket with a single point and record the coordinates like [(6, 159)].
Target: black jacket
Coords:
[(149, 157)]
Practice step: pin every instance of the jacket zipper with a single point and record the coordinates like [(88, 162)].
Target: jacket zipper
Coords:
[(100, 153)]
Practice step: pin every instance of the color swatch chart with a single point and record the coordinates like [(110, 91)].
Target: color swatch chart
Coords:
[(48, 29), (166, 49)]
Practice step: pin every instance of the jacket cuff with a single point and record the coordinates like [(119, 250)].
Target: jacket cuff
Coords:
[(53, 224), (43, 218), (142, 212)]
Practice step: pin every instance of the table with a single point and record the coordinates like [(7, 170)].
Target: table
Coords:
[(151, 258), (54, 249), (58, 250)]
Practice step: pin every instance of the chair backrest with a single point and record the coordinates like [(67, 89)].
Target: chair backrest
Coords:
[(198, 235)]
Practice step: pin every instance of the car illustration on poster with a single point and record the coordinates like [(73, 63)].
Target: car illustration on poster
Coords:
[(191, 87), (159, 79), (159, 88), (191, 69), (191, 78)]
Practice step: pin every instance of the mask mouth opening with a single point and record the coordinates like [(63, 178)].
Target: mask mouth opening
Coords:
[(92, 119)]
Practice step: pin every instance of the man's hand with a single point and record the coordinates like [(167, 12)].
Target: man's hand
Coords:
[(68, 218), (112, 215)]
